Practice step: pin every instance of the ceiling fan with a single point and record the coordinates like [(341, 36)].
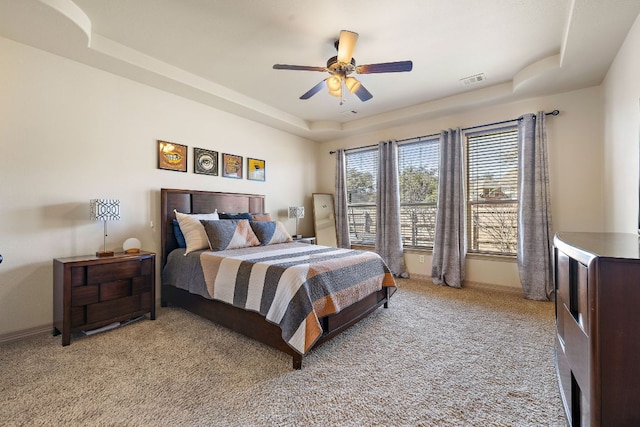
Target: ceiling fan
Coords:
[(341, 66)]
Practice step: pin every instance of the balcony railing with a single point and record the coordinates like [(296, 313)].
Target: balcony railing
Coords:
[(493, 225), (417, 224)]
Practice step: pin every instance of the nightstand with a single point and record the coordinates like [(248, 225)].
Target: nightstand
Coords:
[(309, 240), (91, 292)]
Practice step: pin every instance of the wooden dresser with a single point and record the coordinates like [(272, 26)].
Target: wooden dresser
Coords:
[(597, 280), (91, 292)]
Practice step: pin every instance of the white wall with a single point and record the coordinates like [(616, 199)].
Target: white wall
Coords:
[(621, 136), (69, 133), (575, 152)]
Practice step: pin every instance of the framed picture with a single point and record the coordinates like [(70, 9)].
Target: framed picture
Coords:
[(255, 169), (172, 156), (231, 166), (205, 161)]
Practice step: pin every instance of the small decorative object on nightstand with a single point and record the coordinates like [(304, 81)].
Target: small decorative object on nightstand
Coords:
[(91, 292), (131, 246)]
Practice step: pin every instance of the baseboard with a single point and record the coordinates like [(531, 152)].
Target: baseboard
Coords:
[(492, 287), (25, 333), (420, 277), (476, 285)]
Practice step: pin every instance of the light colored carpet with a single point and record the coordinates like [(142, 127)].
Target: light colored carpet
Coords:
[(437, 357)]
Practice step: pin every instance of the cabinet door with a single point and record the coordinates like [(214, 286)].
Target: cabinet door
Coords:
[(562, 291)]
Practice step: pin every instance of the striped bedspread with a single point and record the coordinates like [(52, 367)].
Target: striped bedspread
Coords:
[(294, 284)]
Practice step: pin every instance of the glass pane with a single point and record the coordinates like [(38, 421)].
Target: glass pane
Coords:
[(418, 224), (418, 168), (494, 227), (492, 191), (362, 175)]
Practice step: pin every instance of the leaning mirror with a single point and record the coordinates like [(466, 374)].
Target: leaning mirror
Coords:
[(324, 220)]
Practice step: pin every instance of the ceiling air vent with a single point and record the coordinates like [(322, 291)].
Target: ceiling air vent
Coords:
[(471, 80)]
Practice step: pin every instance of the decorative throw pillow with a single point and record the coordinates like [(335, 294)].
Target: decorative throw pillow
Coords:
[(270, 232), (261, 217), (232, 234), (193, 231), (178, 233), (244, 215)]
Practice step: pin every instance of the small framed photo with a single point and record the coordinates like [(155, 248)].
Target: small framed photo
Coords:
[(172, 156), (255, 169), (205, 161), (231, 166)]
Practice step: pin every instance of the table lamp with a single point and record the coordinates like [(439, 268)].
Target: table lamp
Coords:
[(104, 210), (296, 212)]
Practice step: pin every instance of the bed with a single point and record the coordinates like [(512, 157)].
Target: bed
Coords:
[(195, 281)]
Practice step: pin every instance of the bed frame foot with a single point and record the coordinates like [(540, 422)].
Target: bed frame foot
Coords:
[(387, 297), (297, 362)]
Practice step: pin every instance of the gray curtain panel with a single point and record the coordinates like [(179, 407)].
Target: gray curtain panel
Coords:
[(534, 209), (388, 235), (449, 246), (342, 222)]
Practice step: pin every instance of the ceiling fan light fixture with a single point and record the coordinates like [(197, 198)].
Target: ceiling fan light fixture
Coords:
[(336, 92), (346, 44), (342, 65), (334, 83), (352, 84)]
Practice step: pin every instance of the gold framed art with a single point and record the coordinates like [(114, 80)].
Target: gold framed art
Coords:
[(255, 169), (172, 156), (231, 166)]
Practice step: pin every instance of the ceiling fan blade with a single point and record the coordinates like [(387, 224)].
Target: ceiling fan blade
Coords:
[(385, 67), (297, 67), (363, 93), (314, 90), (346, 44)]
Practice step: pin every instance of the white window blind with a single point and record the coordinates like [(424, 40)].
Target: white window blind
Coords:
[(492, 191), (362, 173), (418, 174)]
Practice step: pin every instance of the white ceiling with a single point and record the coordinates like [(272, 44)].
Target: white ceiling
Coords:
[(221, 52)]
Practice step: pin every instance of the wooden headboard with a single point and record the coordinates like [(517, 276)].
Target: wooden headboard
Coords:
[(194, 201)]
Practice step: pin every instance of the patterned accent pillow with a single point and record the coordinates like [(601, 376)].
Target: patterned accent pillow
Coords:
[(230, 234), (261, 217), (194, 235), (270, 232)]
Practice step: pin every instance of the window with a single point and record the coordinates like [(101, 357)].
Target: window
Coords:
[(362, 178), (492, 191), (418, 169)]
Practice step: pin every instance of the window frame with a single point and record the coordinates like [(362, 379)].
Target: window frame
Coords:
[(511, 204), (426, 210)]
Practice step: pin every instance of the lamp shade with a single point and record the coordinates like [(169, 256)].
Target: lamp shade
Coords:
[(352, 84), (104, 209), (296, 212)]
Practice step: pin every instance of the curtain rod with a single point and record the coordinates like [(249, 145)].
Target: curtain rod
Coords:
[(552, 113)]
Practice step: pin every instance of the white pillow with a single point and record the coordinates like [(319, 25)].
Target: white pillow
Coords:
[(194, 235)]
